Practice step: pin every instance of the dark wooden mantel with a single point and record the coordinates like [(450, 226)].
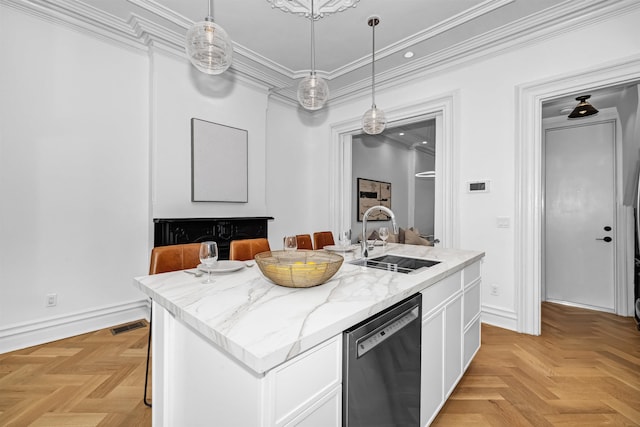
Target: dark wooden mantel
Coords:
[(173, 231)]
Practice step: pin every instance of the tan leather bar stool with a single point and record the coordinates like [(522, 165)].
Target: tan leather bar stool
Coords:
[(246, 249), (322, 239), (304, 241), (165, 259)]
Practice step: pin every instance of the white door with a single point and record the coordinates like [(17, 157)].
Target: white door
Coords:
[(579, 214)]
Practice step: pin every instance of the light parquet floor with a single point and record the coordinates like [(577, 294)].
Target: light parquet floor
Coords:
[(584, 370), (94, 379)]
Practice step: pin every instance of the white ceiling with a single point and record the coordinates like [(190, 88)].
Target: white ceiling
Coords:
[(343, 39), (272, 47)]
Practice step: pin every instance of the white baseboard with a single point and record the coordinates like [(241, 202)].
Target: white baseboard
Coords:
[(19, 336), (499, 317)]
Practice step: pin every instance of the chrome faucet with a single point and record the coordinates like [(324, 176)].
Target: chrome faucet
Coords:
[(365, 252)]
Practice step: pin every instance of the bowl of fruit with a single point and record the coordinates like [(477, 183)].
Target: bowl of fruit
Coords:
[(300, 268)]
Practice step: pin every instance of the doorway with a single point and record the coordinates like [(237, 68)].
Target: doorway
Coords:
[(528, 209), (579, 209), (400, 156), (341, 173)]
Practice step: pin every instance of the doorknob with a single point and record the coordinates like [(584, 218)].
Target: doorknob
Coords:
[(607, 228), (606, 239)]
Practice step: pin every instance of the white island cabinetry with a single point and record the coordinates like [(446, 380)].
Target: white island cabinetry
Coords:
[(242, 351), (201, 386), (450, 336)]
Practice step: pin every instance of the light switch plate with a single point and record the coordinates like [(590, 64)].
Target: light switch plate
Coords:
[(503, 222)]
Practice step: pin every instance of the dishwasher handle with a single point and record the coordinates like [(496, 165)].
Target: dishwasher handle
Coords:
[(386, 331)]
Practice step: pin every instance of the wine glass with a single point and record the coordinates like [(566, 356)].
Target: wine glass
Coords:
[(344, 238), (290, 243), (383, 232), (209, 257)]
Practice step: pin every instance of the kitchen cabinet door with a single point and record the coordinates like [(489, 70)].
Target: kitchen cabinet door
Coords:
[(304, 388), (432, 381), (453, 344)]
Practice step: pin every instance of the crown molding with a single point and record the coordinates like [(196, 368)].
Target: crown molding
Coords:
[(163, 12), (140, 33), (81, 18), (454, 21), (185, 23), (535, 28)]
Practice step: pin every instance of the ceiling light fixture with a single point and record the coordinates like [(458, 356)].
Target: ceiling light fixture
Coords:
[(408, 54), (426, 174), (208, 46), (374, 120), (583, 109), (313, 91)]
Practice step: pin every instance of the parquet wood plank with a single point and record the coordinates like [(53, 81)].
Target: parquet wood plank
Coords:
[(625, 410), (578, 420), (68, 420), (505, 413)]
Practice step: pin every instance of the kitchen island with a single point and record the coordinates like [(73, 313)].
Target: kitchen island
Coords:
[(243, 351)]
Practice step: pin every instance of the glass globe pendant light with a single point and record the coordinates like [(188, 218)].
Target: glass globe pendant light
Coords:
[(313, 91), (208, 46), (374, 120)]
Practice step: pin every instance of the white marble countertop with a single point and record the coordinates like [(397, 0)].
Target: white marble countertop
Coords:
[(262, 324)]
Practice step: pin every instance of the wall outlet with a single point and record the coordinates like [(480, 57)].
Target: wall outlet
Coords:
[(494, 290), (52, 300)]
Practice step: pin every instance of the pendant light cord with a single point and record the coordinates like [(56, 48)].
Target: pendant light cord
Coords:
[(210, 8), (313, 41), (373, 65)]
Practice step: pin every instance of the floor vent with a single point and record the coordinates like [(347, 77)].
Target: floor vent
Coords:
[(128, 327)]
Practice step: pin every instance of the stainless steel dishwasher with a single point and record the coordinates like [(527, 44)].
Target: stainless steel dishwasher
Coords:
[(381, 372)]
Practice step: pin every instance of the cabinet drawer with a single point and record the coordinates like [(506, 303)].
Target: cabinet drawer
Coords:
[(326, 412), (440, 292), (298, 383), (471, 273), (471, 303)]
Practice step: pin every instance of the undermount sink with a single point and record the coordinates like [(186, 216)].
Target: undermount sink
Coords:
[(395, 263)]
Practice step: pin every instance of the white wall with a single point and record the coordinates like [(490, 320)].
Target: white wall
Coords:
[(73, 179), (290, 171), (180, 92), (629, 112), (485, 130), (95, 143)]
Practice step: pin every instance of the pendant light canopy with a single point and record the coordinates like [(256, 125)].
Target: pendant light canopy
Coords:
[(208, 46), (583, 109), (374, 120), (313, 91)]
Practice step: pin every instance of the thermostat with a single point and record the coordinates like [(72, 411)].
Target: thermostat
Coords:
[(478, 186)]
